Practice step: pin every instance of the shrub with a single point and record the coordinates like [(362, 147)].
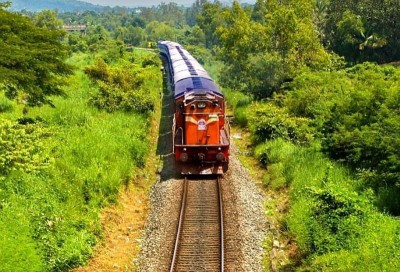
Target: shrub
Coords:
[(99, 71), (121, 88), (355, 112), (112, 98), (6, 105), (337, 217), (202, 55), (334, 224), (269, 122), (239, 102), (21, 147), (54, 179), (152, 60)]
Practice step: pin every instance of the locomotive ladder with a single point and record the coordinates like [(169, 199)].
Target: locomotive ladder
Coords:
[(199, 244)]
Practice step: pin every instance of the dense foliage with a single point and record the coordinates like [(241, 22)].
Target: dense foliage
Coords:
[(21, 147), (32, 58), (137, 27), (327, 133), (362, 30), (123, 88), (356, 112), (61, 163), (333, 220)]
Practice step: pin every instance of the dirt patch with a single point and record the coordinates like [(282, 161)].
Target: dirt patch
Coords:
[(122, 225)]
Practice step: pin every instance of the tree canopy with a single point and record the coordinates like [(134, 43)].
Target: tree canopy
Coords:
[(32, 58)]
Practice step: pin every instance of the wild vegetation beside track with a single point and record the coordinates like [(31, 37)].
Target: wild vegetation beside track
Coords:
[(62, 165), (341, 216), (322, 123)]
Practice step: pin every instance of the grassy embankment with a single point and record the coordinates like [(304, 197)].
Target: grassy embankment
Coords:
[(60, 166), (337, 210)]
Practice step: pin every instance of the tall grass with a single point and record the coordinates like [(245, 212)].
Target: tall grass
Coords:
[(238, 102), (49, 220), (333, 221)]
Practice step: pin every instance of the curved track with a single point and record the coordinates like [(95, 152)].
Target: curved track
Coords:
[(199, 242)]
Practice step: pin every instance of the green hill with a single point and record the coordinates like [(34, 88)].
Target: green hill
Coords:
[(60, 5)]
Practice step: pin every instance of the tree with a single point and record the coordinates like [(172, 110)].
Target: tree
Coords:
[(208, 20), (380, 38), (170, 13), (97, 36), (32, 63), (160, 31), (240, 41), (259, 11), (192, 12), (196, 36), (48, 19), (263, 53), (6, 4)]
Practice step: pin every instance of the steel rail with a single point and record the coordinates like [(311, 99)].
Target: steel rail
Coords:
[(180, 223), (221, 219)]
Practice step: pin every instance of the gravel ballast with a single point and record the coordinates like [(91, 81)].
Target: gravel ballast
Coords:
[(245, 223), (244, 219)]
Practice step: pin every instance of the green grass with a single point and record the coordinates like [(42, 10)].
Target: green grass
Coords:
[(334, 222), (239, 103), (5, 104), (49, 219), (18, 249)]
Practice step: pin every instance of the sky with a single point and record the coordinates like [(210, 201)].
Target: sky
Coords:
[(136, 3)]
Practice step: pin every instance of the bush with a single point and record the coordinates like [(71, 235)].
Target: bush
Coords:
[(277, 157), (355, 112), (112, 98), (6, 105), (21, 147), (337, 219), (99, 71), (152, 60), (333, 222), (239, 102), (269, 122), (201, 54), (122, 88)]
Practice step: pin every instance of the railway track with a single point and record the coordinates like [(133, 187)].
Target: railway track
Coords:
[(199, 244)]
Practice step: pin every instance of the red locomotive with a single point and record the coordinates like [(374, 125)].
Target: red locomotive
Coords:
[(200, 128)]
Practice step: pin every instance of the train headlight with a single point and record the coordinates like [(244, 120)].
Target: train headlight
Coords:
[(183, 157), (220, 157), (201, 105)]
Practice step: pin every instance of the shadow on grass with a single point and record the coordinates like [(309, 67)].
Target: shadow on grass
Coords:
[(164, 144)]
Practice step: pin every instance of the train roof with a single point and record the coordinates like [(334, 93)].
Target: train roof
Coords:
[(187, 72)]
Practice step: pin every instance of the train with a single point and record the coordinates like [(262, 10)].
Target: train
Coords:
[(200, 130)]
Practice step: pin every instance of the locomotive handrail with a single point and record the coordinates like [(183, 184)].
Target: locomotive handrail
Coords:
[(202, 145), (201, 113), (228, 125), (181, 129), (173, 134)]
